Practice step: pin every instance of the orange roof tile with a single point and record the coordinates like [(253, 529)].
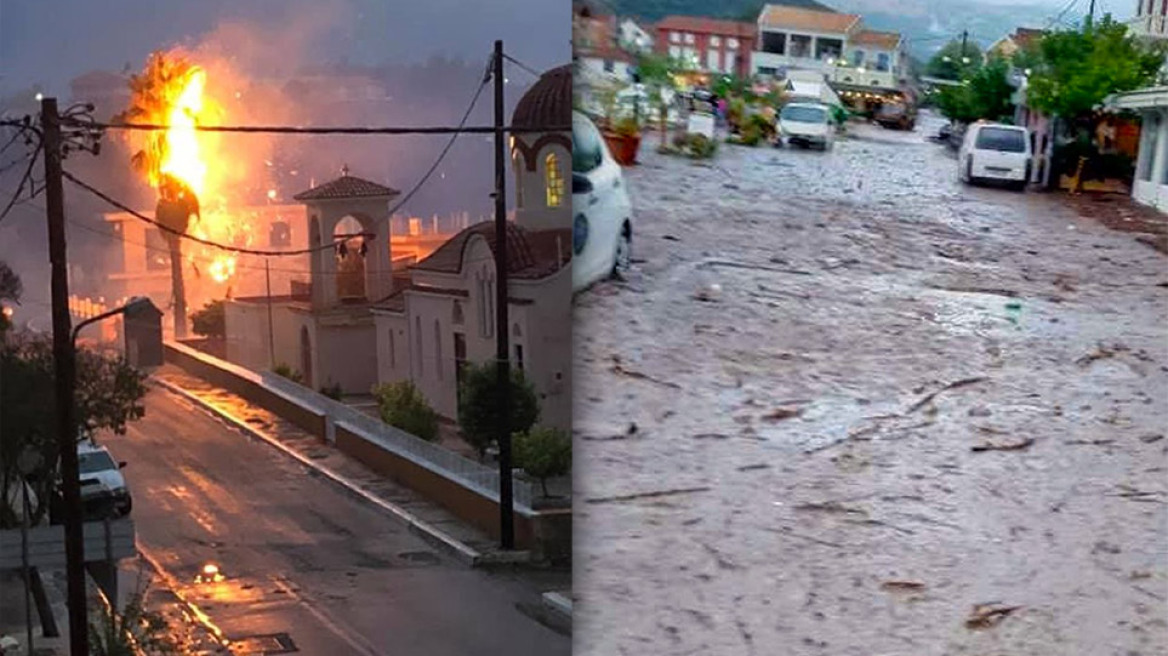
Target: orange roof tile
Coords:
[(872, 38), (701, 25), (797, 18)]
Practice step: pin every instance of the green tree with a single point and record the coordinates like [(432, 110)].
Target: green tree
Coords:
[(478, 405), (211, 321), (1072, 71), (985, 94), (402, 405), (955, 61), (543, 453), (656, 73), (108, 397)]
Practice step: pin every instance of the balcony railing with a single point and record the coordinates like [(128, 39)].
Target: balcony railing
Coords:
[(1152, 25)]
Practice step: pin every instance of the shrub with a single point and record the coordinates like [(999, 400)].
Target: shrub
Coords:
[(478, 405), (544, 453), (700, 147), (333, 391), (403, 406), (211, 321), (288, 372)]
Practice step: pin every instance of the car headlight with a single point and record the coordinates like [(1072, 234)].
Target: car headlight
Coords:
[(579, 233)]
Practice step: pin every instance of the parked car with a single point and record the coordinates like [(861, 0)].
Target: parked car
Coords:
[(602, 229), (897, 116), (103, 488), (995, 152), (806, 125)]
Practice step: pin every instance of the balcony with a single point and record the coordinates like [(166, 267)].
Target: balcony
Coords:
[(1150, 26), (777, 62)]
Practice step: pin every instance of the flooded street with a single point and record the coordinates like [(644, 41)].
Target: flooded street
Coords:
[(846, 405)]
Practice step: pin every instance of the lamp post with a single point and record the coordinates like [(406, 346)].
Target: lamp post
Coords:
[(71, 485)]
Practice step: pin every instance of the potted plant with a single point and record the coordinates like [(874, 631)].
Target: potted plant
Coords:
[(624, 140)]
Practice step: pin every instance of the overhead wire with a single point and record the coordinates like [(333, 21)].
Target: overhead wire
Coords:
[(268, 253), (25, 179)]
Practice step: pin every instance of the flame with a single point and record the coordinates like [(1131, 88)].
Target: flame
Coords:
[(181, 158), (222, 268)]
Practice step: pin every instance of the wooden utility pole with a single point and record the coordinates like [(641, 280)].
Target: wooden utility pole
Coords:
[(502, 320), (271, 330), (964, 39), (64, 371), (1091, 14)]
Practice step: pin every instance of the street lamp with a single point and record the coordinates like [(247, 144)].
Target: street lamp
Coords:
[(71, 483)]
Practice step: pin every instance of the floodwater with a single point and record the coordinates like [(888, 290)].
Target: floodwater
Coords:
[(846, 405)]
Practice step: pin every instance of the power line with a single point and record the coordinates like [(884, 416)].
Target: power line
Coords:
[(287, 129), (27, 178), (523, 66), (266, 253)]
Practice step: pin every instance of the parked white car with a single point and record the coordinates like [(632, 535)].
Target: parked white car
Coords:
[(101, 478), (995, 152), (807, 125), (602, 229)]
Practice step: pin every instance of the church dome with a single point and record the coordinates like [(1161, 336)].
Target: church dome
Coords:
[(548, 102)]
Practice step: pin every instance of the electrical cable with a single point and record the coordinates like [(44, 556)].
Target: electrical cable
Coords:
[(25, 179), (266, 253), (521, 65)]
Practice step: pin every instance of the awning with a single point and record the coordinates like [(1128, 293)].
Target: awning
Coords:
[(1149, 98)]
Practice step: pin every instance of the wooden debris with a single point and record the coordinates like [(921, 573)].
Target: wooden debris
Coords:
[(985, 616), (649, 495), (1011, 446), (1099, 442), (620, 370), (779, 414), (902, 586), (951, 386), (760, 465)]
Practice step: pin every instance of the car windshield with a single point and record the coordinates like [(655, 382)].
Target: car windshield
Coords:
[(586, 145), (95, 461), (1004, 140), (804, 114)]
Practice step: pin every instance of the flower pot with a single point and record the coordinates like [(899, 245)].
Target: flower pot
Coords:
[(623, 146)]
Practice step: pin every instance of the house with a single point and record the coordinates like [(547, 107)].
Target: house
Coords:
[(1012, 44), (444, 315), (706, 45), (597, 47), (836, 45), (631, 37), (1151, 19)]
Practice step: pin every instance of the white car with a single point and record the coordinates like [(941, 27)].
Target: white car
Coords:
[(102, 482), (807, 125), (602, 229), (995, 152)]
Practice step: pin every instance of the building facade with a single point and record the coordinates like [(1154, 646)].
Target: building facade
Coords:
[(1151, 19), (836, 45), (706, 45), (444, 315)]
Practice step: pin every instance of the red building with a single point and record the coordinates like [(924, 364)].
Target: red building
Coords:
[(707, 45)]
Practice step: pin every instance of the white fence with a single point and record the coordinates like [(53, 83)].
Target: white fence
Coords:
[(471, 474)]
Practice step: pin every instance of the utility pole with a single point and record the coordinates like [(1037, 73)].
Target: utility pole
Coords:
[(502, 321), (1091, 14), (964, 39), (64, 370), (271, 331)]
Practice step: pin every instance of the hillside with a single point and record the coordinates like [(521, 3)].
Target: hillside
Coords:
[(734, 9)]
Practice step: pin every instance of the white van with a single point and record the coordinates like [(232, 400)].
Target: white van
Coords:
[(995, 152), (102, 482), (806, 124)]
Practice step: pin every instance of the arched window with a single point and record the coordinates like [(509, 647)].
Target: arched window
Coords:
[(392, 351), (456, 317), (438, 349), (555, 180)]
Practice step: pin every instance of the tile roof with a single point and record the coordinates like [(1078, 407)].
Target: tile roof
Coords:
[(875, 39), (1024, 36), (702, 25), (797, 18), (347, 186), (531, 255), (548, 102)]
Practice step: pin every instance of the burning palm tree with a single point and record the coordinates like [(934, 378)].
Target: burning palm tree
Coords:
[(170, 92)]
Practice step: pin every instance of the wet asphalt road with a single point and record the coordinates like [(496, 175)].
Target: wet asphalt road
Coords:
[(301, 557), (762, 465)]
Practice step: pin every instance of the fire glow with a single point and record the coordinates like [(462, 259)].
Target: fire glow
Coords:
[(174, 91)]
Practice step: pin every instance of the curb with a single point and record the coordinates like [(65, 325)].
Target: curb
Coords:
[(460, 551), (558, 604)]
